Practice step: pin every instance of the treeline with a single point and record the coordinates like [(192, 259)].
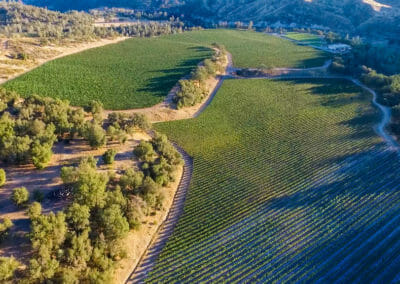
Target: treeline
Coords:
[(194, 89), (110, 14), (83, 243), (19, 19)]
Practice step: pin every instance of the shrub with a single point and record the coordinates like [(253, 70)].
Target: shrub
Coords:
[(8, 266), (20, 196), (41, 154), (5, 227), (131, 180), (2, 177), (35, 210), (145, 152), (109, 156), (95, 135)]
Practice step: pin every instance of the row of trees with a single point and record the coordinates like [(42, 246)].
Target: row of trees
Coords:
[(193, 90), (20, 19), (84, 242)]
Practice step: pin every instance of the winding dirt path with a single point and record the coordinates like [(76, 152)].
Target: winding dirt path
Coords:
[(148, 260)]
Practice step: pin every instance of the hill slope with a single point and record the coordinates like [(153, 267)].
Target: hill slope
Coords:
[(360, 16)]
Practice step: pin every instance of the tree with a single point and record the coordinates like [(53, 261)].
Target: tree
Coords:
[(48, 233), (131, 180), (80, 250), (8, 266), (2, 177), (35, 210), (108, 156), (113, 224), (41, 154), (78, 216), (5, 227), (96, 108), (134, 211), (145, 152), (95, 135), (20, 196), (90, 188)]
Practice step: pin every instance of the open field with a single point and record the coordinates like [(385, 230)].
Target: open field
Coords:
[(140, 72), (290, 184), (306, 38)]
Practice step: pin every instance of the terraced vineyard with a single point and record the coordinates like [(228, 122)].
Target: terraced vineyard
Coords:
[(290, 184), (140, 72)]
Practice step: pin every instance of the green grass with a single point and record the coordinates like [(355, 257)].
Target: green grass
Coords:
[(140, 72), (306, 38), (287, 174)]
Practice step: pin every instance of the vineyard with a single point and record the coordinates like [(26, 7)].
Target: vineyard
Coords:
[(140, 72), (306, 38), (290, 184)]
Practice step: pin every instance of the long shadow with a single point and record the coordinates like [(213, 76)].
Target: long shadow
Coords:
[(159, 86)]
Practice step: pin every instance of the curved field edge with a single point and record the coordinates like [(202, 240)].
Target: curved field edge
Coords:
[(290, 182), (140, 72)]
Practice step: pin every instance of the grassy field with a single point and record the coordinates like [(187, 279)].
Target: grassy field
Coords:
[(140, 72), (306, 38), (291, 184)]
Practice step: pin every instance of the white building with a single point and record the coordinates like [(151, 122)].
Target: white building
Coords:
[(339, 47)]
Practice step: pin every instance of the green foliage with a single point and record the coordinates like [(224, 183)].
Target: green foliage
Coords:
[(128, 123), (109, 156), (145, 152), (131, 180), (78, 216), (20, 196), (190, 93), (2, 177), (130, 84), (34, 210), (41, 154), (8, 266), (135, 73), (113, 224), (5, 227), (90, 187), (263, 153), (95, 135)]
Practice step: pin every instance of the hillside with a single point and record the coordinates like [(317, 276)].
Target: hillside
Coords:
[(366, 17)]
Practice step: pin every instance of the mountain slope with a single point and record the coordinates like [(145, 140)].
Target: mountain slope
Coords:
[(375, 17)]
